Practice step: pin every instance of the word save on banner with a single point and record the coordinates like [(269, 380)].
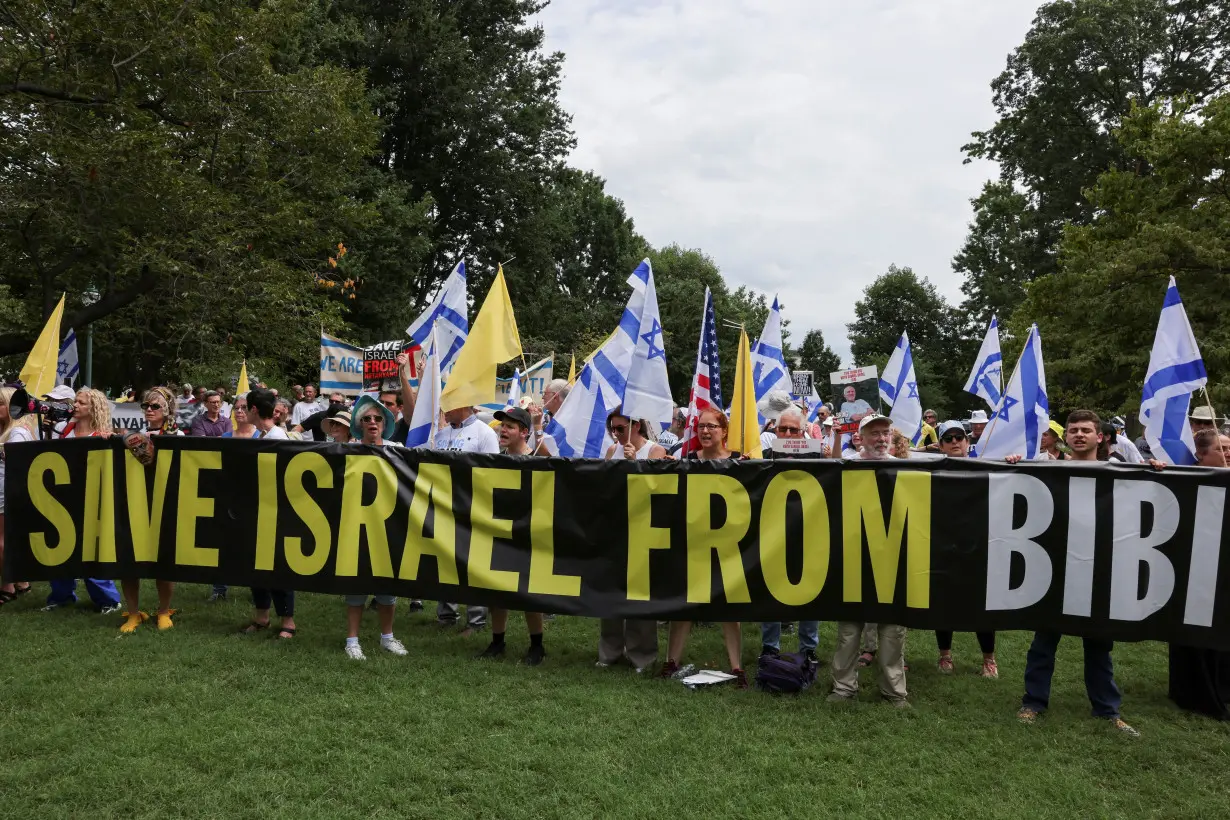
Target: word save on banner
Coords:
[(1119, 552)]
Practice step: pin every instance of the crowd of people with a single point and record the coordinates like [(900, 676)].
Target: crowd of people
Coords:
[(519, 431)]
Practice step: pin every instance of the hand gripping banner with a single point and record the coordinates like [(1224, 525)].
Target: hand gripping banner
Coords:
[(1114, 551)]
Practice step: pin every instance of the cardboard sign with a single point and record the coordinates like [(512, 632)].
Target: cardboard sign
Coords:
[(128, 416), (803, 382), (799, 446), (380, 365), (856, 393)]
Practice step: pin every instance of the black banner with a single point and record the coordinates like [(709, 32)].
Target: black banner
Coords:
[(1110, 550)]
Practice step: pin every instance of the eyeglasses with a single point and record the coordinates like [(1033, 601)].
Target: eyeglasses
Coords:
[(371, 420), (781, 429), (708, 426), (150, 405), (618, 428), (953, 437)]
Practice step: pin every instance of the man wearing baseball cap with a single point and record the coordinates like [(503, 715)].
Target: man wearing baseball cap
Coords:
[(876, 435), (515, 428)]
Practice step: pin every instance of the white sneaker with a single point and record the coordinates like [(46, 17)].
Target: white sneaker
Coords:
[(393, 645), (110, 609), (355, 652)]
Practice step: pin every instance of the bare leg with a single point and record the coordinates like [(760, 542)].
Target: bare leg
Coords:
[(132, 595), (678, 639), (499, 620), (354, 617), (533, 622), (732, 636), (166, 589), (386, 618)]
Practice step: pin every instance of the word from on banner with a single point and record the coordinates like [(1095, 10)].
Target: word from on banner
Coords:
[(1118, 552)]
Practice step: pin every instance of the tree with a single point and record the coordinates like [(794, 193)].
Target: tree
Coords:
[(1065, 90), (1165, 217), (181, 190), (896, 302), (815, 355)]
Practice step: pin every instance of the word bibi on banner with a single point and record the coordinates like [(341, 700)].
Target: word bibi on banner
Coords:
[(924, 544)]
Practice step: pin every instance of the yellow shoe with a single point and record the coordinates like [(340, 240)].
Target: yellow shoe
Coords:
[(133, 621), (164, 620)]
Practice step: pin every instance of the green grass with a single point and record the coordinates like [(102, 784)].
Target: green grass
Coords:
[(199, 722)]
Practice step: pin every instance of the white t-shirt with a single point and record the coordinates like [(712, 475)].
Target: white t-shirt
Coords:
[(471, 437), (1127, 449), (302, 410), (276, 432), (21, 433)]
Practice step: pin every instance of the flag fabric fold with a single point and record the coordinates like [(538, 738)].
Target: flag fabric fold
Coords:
[(899, 388), (706, 389), (38, 374), (67, 363), (425, 420), (514, 390), (648, 393), (241, 389), (1022, 414), (769, 371), (1176, 370), (744, 435), (447, 314), (986, 380), (491, 341)]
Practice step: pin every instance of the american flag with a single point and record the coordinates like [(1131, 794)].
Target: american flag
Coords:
[(707, 383)]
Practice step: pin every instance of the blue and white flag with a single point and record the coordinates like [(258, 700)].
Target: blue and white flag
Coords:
[(1175, 372), (514, 390), (447, 313), (1022, 414), (899, 388), (425, 420), (769, 371), (987, 378), (67, 365), (578, 428), (648, 393)]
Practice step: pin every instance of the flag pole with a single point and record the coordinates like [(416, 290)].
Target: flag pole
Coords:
[(1209, 404)]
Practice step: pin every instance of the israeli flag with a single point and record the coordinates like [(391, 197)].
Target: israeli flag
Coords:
[(426, 418), (514, 390), (1022, 414), (769, 371), (987, 378), (1175, 372), (67, 365), (648, 393), (578, 429), (899, 388), (447, 314)]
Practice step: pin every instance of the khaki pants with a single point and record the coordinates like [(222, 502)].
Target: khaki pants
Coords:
[(889, 656), (637, 640)]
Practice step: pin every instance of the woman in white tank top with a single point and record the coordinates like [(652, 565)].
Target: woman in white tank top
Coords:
[(631, 440)]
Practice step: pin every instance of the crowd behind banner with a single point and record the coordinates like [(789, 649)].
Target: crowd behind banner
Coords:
[(1052, 547)]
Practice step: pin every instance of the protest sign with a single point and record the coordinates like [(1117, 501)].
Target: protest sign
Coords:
[(802, 382), (128, 416), (856, 393), (341, 367), (1119, 552), (380, 365)]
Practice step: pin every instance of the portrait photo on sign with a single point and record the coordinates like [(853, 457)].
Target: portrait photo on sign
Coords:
[(855, 394)]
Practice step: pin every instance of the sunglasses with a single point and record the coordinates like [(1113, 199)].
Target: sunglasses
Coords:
[(371, 420), (150, 405), (953, 437), (618, 428), (781, 429)]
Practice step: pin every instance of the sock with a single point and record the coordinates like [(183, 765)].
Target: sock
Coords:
[(497, 638), (535, 639), (386, 638), (352, 641)]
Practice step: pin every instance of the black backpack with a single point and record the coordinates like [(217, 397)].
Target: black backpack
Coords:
[(785, 674)]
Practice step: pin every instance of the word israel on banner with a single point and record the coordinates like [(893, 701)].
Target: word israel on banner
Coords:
[(533, 383), (341, 367)]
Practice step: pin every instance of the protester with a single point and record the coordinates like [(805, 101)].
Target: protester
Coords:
[(712, 431), (627, 639), (1202, 418), (770, 408), (306, 406), (515, 429), (159, 406), (930, 438), (211, 423), (1051, 438), (311, 428), (464, 433), (790, 426), (1200, 678), (371, 422), (262, 406), (954, 443), (1084, 439), (244, 426), (670, 437), (1121, 445), (391, 399), (337, 427), (901, 445), (876, 435), (91, 419), (11, 431), (553, 396), (281, 411), (977, 422)]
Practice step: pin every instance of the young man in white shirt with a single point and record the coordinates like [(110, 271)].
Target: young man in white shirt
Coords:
[(464, 433)]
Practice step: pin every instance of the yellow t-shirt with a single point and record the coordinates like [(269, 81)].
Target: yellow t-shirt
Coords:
[(928, 435)]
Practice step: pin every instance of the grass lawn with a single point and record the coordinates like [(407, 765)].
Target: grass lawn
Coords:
[(200, 722)]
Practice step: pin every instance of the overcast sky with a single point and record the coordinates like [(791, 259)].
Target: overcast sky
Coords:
[(804, 145)]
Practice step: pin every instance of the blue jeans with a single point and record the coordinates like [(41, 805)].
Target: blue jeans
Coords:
[(809, 635), (1100, 683), (102, 593)]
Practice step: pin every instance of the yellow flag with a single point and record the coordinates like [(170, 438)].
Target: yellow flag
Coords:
[(744, 422), (572, 371), (39, 372), (493, 339), (240, 387)]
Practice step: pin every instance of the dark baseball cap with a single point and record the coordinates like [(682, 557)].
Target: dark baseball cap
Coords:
[(517, 414)]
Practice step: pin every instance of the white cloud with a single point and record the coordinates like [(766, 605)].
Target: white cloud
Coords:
[(805, 146)]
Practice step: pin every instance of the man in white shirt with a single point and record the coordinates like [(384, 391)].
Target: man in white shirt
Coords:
[(305, 408), (464, 433), (876, 435)]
